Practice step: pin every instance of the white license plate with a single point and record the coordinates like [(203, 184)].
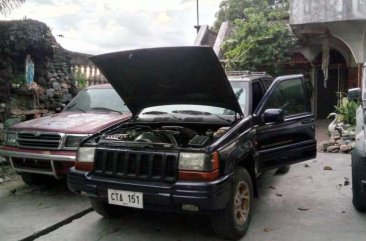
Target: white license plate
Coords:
[(125, 198)]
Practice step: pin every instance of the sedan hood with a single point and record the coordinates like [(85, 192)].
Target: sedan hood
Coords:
[(166, 76), (72, 122)]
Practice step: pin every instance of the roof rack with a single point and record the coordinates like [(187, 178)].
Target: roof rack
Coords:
[(244, 73)]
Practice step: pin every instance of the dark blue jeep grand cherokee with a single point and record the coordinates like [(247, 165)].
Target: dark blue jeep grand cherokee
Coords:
[(196, 141)]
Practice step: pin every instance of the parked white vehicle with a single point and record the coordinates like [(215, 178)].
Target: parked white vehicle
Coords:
[(359, 152)]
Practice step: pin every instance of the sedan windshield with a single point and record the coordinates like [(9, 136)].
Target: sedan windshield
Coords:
[(97, 100)]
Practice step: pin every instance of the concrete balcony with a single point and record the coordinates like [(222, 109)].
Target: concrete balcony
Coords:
[(342, 22), (322, 11)]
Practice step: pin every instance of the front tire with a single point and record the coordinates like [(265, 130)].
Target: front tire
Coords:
[(358, 174), (233, 221), (104, 209)]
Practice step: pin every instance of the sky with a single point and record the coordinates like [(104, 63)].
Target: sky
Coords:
[(101, 26)]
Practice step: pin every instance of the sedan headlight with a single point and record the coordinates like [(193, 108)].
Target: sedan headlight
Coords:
[(192, 161), (85, 154), (74, 141), (11, 139)]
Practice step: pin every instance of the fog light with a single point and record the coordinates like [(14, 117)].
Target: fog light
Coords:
[(189, 207)]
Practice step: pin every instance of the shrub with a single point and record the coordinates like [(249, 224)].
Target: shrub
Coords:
[(347, 111), (81, 81)]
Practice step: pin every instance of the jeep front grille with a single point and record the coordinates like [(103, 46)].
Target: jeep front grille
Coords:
[(137, 165), (39, 140)]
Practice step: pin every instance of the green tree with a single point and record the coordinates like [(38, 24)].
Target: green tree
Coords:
[(231, 10), (261, 36), (6, 6)]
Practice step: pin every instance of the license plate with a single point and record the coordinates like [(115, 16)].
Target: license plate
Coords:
[(125, 198)]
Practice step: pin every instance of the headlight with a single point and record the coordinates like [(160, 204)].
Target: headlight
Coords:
[(85, 154), (11, 139), (199, 166), (192, 161), (73, 141)]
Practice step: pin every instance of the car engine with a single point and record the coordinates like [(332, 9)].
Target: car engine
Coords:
[(174, 136)]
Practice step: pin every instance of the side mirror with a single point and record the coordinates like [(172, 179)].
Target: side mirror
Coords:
[(354, 94), (273, 116)]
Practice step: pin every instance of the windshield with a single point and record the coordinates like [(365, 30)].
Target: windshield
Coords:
[(97, 99), (188, 109), (240, 89), (241, 92)]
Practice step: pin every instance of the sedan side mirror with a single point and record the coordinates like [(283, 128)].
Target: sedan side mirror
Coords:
[(273, 116), (354, 94)]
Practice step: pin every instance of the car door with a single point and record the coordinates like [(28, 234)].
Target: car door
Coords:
[(292, 139)]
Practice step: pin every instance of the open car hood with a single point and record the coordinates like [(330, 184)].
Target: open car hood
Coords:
[(165, 76)]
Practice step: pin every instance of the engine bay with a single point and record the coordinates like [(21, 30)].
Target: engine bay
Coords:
[(169, 136)]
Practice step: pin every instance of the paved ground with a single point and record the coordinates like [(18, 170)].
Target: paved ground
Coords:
[(321, 126), (25, 210), (308, 203)]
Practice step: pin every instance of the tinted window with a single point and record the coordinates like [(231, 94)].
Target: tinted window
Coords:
[(266, 83), (97, 99), (289, 96), (241, 92), (257, 94)]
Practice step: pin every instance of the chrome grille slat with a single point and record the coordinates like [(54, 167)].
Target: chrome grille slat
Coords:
[(39, 140)]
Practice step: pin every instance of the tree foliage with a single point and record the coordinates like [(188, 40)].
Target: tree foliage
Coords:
[(6, 6), (231, 10), (261, 36)]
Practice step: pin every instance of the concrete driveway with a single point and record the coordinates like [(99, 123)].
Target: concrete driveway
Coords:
[(27, 210), (308, 203)]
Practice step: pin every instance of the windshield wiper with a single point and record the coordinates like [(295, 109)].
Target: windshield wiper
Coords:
[(191, 112), (105, 108), (76, 107), (156, 112), (222, 118), (196, 112)]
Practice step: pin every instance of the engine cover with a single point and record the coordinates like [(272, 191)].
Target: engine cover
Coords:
[(149, 137)]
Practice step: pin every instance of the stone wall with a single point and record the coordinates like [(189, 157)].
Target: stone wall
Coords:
[(53, 84), (341, 140)]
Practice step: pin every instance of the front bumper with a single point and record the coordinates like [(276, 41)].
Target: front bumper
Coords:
[(206, 196), (54, 163)]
